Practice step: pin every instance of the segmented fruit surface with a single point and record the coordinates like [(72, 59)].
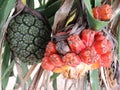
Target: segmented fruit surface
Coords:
[(90, 48), (103, 12), (76, 50), (28, 36)]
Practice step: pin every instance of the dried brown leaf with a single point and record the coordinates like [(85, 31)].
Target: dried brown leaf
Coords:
[(61, 15), (36, 79), (110, 78), (19, 71), (28, 74)]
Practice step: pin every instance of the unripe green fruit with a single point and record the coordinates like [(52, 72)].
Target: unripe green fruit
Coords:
[(27, 37)]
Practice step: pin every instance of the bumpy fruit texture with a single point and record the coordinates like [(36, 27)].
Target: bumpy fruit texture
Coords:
[(46, 64), (28, 36), (91, 49), (101, 46), (88, 37), (106, 59), (71, 59), (87, 55), (56, 60), (75, 43), (103, 12), (50, 49)]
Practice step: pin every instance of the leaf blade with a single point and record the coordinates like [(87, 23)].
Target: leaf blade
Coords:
[(94, 80), (55, 84), (55, 75), (51, 10), (5, 76), (97, 3), (30, 3), (5, 57), (119, 43), (5, 12)]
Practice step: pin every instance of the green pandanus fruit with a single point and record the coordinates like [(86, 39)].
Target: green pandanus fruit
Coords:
[(28, 34)]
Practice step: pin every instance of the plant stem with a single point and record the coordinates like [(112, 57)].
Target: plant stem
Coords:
[(119, 43), (0, 69)]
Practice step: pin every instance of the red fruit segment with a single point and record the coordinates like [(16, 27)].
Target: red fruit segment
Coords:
[(96, 12), (103, 12), (102, 46), (99, 36), (88, 36), (96, 58), (106, 59), (71, 59), (99, 33), (46, 64), (88, 55), (106, 12), (56, 60), (50, 49), (75, 43)]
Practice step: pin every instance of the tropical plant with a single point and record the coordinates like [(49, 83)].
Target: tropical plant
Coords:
[(49, 45)]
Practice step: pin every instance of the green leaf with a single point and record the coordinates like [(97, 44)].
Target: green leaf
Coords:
[(50, 2), (41, 9), (1, 1), (54, 79), (51, 20), (55, 84), (24, 68), (85, 81), (51, 10), (24, 71), (94, 80), (88, 6), (30, 3), (5, 57), (97, 2), (54, 76), (119, 42), (93, 23), (5, 76), (40, 1), (17, 81), (5, 10), (6, 68), (43, 2)]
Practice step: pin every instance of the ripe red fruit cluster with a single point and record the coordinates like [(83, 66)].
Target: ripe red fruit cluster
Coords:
[(89, 47), (103, 12)]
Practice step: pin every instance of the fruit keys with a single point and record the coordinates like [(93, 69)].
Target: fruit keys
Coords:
[(85, 51), (91, 48), (103, 12)]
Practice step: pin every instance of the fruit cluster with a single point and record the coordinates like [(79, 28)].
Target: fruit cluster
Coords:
[(92, 48), (103, 12), (74, 54), (27, 36)]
